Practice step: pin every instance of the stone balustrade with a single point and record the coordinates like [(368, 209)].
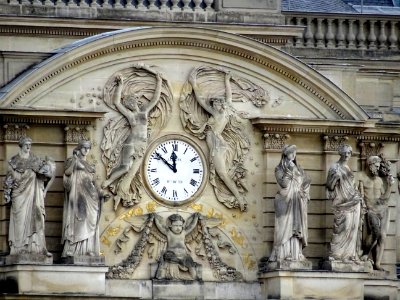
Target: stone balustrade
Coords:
[(140, 5), (361, 32)]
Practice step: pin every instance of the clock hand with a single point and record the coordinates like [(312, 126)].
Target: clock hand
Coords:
[(174, 157), (167, 163)]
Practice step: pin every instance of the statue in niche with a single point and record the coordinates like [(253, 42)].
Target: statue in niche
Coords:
[(141, 100), (82, 205), (375, 185), (347, 206), (25, 186), (171, 243), (207, 113), (290, 204)]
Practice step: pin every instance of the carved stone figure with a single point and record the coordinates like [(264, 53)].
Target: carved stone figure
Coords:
[(208, 114), (376, 193), (170, 240), (26, 184), (347, 202), (291, 203), (82, 205), (175, 262), (139, 103)]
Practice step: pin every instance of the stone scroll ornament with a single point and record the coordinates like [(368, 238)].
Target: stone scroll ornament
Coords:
[(26, 184), (170, 242), (140, 100), (207, 113)]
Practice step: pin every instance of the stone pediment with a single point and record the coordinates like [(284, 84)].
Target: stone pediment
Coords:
[(73, 78)]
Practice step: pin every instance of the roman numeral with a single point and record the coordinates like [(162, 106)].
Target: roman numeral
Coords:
[(164, 149), (193, 182), (153, 170), (186, 192), (164, 191), (196, 171), (174, 147), (174, 194), (155, 181), (186, 150), (194, 158)]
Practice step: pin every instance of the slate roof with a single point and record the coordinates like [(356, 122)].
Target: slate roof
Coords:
[(371, 2), (325, 6)]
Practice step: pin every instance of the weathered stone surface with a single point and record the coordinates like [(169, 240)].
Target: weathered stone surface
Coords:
[(83, 260), (340, 266), (289, 265), (28, 258)]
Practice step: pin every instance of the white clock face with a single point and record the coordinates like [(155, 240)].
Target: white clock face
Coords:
[(174, 171)]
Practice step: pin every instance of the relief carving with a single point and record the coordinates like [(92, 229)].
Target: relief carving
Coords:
[(14, 132), (169, 240), (275, 141), (140, 99), (334, 142), (25, 187), (207, 113), (75, 134), (375, 185), (370, 148)]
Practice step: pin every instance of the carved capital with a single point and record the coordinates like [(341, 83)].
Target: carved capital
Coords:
[(275, 141), (369, 148), (74, 134), (333, 142), (14, 131)]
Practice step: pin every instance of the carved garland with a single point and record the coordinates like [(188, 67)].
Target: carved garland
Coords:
[(332, 143), (275, 141), (212, 46)]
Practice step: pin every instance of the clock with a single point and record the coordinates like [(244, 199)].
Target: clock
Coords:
[(175, 170)]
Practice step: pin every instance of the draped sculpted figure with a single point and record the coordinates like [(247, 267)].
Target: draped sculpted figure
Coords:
[(27, 181), (347, 204), (207, 112), (140, 99), (291, 201), (82, 205)]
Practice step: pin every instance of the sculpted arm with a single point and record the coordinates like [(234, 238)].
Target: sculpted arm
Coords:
[(332, 179), (193, 223), (282, 178), (199, 99), (160, 226), (9, 183), (228, 89), (386, 193), (117, 98), (156, 95)]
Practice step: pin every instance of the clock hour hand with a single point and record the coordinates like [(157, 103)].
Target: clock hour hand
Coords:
[(172, 167), (174, 157)]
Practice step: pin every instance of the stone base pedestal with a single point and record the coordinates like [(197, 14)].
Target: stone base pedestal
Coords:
[(54, 279), (312, 284), (28, 259), (339, 266), (289, 265), (83, 260)]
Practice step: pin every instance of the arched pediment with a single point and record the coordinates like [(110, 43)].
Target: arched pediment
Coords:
[(83, 67)]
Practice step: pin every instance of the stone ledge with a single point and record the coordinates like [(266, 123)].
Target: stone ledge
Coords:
[(53, 279)]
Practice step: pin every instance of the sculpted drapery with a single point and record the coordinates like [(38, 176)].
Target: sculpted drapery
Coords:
[(346, 208), (81, 205), (290, 208), (25, 187)]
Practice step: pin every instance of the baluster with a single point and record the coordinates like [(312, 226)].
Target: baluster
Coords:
[(72, 3), (94, 4), (382, 36), (372, 36), (393, 37), (174, 4), (25, 2), (197, 4), (309, 34), (14, 2), (141, 5), (130, 4), (163, 4), (83, 3), (340, 35), (319, 36), (351, 36), (208, 4), (106, 3), (299, 39), (185, 4), (37, 2), (118, 4), (330, 37), (152, 5), (361, 35)]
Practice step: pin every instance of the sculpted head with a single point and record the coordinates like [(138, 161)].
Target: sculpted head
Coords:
[(218, 104), (374, 162), (25, 144), (132, 102), (289, 151), (345, 152), (83, 147), (175, 223)]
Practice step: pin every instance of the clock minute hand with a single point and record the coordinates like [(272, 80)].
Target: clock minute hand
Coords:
[(167, 163), (174, 157)]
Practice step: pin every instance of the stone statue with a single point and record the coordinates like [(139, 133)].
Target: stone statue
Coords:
[(376, 193), (209, 114), (347, 202), (169, 239), (27, 181), (82, 205), (139, 96), (175, 262), (291, 202)]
